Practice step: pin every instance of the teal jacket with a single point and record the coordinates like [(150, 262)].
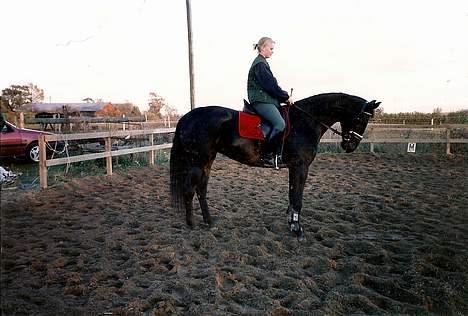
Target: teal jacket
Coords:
[(262, 86)]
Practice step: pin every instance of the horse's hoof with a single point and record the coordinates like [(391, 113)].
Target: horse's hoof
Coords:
[(301, 237), (296, 229), (299, 233), (212, 224)]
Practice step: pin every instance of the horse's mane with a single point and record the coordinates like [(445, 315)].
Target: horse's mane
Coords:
[(325, 102)]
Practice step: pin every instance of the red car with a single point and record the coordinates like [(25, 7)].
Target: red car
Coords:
[(19, 142)]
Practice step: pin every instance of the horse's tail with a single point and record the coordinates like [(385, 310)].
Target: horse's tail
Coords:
[(178, 171), (194, 141)]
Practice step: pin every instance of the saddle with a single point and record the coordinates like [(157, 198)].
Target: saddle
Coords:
[(250, 122)]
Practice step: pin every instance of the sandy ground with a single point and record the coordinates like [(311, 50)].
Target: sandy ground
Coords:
[(385, 235)]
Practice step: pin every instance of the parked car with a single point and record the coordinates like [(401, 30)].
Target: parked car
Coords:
[(19, 142)]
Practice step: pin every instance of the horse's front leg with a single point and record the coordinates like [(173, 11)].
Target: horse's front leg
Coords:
[(297, 179)]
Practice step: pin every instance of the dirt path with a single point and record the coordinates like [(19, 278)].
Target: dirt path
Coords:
[(385, 235)]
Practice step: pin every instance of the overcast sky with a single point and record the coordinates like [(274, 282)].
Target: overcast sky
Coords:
[(411, 55)]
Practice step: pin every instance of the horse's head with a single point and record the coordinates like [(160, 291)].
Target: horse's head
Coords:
[(353, 126)]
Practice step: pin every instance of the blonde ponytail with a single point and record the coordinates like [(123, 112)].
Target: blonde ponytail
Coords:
[(262, 42)]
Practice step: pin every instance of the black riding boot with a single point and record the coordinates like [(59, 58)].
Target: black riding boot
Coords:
[(278, 154), (272, 156), (267, 159)]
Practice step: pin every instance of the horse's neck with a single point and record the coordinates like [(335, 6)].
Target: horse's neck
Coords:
[(325, 112)]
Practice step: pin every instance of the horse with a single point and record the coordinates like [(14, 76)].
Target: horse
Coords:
[(47, 115), (205, 131)]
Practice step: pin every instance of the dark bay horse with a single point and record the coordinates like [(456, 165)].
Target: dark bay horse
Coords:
[(205, 131)]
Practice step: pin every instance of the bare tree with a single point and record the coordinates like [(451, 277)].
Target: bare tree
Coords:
[(156, 103), (37, 94)]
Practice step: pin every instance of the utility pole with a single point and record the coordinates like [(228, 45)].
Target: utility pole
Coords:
[(189, 32)]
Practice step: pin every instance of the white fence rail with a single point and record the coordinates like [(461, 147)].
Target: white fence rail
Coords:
[(376, 134), (44, 163), (439, 135)]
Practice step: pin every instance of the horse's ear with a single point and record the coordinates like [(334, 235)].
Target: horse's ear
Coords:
[(372, 105)]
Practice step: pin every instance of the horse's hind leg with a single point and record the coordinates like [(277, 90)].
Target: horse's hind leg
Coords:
[(201, 193), (202, 190), (188, 208), (192, 181)]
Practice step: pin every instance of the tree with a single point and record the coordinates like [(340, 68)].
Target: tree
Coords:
[(437, 111), (37, 94), (156, 103), (458, 117), (17, 95), (169, 111), (378, 113), (128, 109), (437, 116), (109, 110)]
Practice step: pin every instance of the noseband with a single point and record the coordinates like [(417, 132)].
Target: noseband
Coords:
[(352, 135), (347, 136)]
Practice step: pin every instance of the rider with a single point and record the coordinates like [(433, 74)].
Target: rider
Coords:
[(265, 95)]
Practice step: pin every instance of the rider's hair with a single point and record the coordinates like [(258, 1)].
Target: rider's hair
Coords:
[(262, 42)]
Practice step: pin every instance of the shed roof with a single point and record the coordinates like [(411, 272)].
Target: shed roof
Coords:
[(58, 107)]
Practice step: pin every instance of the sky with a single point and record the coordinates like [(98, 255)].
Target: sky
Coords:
[(410, 55)]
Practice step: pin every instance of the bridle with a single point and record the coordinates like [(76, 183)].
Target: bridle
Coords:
[(346, 136)]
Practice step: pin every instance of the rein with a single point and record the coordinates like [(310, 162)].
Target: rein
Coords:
[(346, 136), (334, 130)]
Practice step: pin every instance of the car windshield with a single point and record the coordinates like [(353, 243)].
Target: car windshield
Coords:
[(6, 126)]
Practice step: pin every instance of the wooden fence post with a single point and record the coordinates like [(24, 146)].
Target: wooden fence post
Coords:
[(108, 146), (42, 162), (151, 152), (371, 136), (448, 142), (21, 120)]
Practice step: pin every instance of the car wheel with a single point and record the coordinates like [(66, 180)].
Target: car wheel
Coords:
[(32, 152)]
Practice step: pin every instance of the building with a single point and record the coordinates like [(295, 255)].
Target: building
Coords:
[(65, 109)]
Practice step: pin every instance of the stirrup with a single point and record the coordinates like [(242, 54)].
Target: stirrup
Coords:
[(279, 162), (275, 161)]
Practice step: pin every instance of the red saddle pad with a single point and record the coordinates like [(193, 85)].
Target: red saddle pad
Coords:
[(249, 126)]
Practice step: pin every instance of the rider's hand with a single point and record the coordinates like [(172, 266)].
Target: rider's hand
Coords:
[(290, 101)]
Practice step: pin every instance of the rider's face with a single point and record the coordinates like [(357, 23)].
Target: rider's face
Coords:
[(267, 49)]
